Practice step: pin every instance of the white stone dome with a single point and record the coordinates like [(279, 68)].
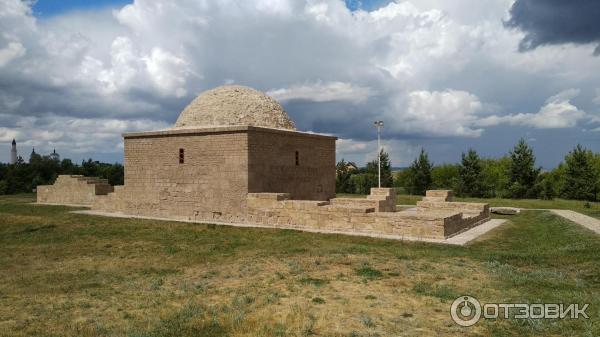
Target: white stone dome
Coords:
[(234, 105)]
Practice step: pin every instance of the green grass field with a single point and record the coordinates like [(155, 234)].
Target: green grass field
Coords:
[(64, 274)]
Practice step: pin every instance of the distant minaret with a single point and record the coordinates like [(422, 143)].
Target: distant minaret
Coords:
[(32, 154), (54, 155), (13, 152)]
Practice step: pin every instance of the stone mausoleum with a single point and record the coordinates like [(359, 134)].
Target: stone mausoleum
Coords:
[(234, 156)]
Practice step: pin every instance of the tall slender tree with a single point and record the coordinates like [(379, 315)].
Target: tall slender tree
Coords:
[(470, 177), (386, 169), (580, 176), (343, 173), (523, 173), (419, 176)]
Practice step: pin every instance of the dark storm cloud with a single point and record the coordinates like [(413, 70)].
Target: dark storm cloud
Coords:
[(550, 22)]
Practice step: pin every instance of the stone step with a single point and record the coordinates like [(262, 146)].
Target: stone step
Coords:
[(349, 209), (445, 195), (383, 191), (270, 196), (434, 199), (352, 202), (379, 197)]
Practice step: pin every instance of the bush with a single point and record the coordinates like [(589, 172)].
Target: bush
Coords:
[(362, 183)]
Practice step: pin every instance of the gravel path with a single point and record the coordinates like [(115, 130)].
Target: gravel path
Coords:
[(582, 219)]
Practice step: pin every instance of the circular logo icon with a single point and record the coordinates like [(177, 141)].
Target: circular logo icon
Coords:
[(465, 311)]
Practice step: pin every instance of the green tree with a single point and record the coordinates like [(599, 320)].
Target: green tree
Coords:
[(114, 173), (523, 173), (547, 186), (43, 170), (67, 166), (419, 176), (34, 158), (470, 171), (580, 176), (596, 164), (495, 175), (386, 170), (361, 183), (445, 176), (400, 181), (343, 172)]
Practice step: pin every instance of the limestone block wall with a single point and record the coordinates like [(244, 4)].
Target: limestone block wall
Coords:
[(386, 198), (468, 208), (473, 213), (73, 189), (220, 167), (300, 164), (380, 199), (209, 179), (438, 195), (276, 210)]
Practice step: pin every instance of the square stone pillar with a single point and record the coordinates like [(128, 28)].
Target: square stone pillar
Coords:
[(386, 198)]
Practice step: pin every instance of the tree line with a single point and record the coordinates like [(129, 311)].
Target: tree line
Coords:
[(23, 177), (514, 175)]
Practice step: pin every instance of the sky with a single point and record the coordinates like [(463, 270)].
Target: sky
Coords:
[(444, 75), (48, 8)]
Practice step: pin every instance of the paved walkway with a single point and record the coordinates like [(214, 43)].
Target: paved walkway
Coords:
[(588, 222)]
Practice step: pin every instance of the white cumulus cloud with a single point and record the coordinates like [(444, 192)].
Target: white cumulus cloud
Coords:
[(402, 152), (437, 113), (12, 51), (168, 72), (557, 112), (323, 92), (74, 136)]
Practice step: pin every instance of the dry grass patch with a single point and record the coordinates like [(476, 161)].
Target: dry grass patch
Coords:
[(64, 274)]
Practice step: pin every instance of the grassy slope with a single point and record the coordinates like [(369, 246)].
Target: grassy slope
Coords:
[(63, 274)]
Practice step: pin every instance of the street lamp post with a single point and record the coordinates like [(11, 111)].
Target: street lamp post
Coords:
[(379, 125)]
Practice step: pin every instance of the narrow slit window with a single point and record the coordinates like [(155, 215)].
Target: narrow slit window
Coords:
[(297, 158), (181, 156)]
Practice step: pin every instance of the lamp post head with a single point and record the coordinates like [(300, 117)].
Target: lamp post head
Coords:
[(378, 124)]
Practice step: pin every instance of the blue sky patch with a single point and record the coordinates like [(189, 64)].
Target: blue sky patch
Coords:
[(367, 5), (46, 8)]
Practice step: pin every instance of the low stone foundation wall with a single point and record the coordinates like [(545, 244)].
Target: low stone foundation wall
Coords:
[(473, 213), (436, 217), (380, 199), (324, 216), (73, 189), (367, 216)]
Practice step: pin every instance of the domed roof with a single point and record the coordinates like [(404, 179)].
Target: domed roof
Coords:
[(234, 105)]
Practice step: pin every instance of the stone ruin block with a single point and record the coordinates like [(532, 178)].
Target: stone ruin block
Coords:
[(386, 198), (439, 195), (380, 199), (73, 189)]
